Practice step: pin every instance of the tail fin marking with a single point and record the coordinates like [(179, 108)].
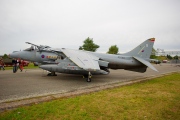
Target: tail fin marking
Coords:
[(143, 50)]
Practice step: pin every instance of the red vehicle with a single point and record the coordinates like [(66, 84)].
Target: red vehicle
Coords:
[(8, 62)]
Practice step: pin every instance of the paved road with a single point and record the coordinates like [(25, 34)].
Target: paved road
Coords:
[(34, 82)]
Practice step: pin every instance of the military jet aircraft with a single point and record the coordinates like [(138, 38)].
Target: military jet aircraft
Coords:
[(87, 63)]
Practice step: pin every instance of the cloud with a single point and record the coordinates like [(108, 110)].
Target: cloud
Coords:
[(68, 23)]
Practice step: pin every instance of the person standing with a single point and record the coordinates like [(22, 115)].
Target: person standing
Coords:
[(2, 64), (17, 64), (14, 62), (21, 63)]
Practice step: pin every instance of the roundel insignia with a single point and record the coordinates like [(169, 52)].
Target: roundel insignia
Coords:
[(42, 56)]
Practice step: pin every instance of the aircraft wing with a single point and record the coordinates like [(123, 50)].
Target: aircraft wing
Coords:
[(83, 59), (145, 63)]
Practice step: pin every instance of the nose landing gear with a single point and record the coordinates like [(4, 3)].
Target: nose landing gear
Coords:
[(52, 74)]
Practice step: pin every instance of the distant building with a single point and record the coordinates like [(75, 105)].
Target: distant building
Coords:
[(162, 52)]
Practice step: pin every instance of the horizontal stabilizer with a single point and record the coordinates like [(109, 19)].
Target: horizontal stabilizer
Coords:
[(146, 63)]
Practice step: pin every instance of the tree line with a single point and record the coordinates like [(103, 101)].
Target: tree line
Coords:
[(89, 45)]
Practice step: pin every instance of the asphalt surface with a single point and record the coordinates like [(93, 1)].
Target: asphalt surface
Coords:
[(35, 82)]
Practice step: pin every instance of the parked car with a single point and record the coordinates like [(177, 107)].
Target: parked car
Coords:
[(165, 61)]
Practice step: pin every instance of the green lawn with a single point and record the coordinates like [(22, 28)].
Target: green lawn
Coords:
[(156, 99)]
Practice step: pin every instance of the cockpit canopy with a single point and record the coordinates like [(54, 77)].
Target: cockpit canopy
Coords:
[(38, 48), (32, 48)]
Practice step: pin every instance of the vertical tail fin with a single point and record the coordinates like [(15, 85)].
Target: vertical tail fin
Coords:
[(143, 50)]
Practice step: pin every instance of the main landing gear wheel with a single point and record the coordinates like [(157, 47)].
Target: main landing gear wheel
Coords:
[(88, 77)]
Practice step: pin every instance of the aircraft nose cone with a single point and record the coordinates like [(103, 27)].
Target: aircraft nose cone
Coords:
[(13, 55)]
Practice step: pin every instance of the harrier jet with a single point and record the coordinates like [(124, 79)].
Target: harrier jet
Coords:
[(87, 63)]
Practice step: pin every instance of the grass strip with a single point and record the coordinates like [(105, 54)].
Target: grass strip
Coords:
[(158, 98)]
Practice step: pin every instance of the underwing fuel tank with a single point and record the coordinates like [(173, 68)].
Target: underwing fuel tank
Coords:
[(70, 69)]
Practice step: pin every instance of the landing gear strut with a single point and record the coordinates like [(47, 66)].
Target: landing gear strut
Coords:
[(88, 77)]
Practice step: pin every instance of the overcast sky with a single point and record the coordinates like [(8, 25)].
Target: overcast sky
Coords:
[(67, 23)]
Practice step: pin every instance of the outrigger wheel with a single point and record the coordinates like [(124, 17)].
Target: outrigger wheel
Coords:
[(88, 79)]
